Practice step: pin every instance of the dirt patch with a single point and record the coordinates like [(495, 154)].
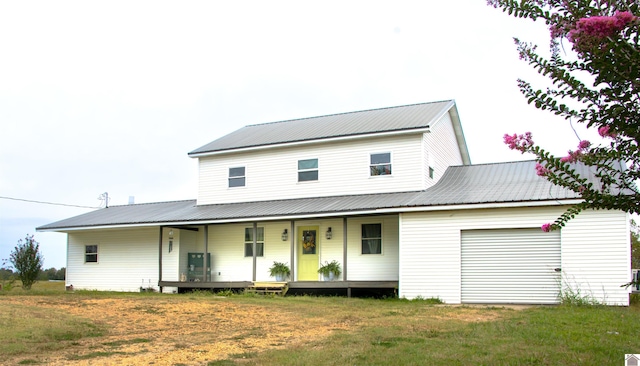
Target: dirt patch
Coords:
[(144, 331)]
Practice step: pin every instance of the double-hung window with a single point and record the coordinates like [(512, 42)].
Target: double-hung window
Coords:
[(236, 177), (380, 164), (307, 170), (371, 238), (91, 254), (248, 242)]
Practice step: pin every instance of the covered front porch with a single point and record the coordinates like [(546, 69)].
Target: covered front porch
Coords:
[(236, 255)]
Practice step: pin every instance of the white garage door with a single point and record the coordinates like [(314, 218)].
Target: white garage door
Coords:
[(512, 266)]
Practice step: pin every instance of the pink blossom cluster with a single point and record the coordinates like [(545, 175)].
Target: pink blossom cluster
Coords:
[(519, 142), (605, 131), (541, 170), (589, 33), (546, 227), (574, 156)]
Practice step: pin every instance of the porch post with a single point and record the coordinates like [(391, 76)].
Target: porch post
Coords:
[(255, 246), (292, 241), (344, 248), (160, 257), (206, 250)]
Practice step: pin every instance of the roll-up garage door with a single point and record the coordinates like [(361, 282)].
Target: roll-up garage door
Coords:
[(511, 266)]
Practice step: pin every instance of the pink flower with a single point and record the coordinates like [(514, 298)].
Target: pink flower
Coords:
[(572, 157), (541, 170), (605, 131), (590, 32), (518, 142), (546, 227), (584, 144)]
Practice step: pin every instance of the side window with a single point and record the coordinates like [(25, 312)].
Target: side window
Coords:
[(236, 177), (91, 254), (307, 170), (248, 242), (371, 238), (380, 164)]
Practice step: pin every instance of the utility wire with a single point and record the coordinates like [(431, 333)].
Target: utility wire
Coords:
[(45, 203)]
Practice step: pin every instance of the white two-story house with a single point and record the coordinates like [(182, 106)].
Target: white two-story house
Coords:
[(390, 194)]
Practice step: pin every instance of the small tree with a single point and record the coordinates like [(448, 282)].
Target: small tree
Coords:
[(27, 261), (598, 84)]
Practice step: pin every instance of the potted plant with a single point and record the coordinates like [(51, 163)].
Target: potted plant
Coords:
[(330, 270), (280, 271)]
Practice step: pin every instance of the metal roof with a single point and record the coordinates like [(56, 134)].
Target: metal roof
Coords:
[(460, 185), (392, 119)]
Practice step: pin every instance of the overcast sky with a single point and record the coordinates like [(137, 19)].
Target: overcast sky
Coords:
[(111, 96)]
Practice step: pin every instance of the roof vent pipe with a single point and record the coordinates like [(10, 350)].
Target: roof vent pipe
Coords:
[(132, 200)]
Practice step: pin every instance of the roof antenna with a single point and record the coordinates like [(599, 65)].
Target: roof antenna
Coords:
[(104, 197)]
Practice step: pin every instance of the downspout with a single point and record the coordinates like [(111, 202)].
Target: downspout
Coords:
[(160, 258)]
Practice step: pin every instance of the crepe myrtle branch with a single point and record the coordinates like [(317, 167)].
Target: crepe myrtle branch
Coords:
[(598, 85)]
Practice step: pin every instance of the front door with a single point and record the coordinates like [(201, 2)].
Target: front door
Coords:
[(308, 253)]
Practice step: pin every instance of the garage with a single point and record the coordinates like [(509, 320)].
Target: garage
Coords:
[(510, 266)]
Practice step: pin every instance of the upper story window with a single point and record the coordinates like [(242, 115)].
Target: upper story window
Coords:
[(380, 164), (248, 242), (371, 238), (307, 170), (91, 254), (236, 177)]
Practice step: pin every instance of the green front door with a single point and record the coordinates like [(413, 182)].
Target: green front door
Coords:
[(308, 253)]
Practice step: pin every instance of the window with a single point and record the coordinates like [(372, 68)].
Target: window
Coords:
[(91, 254), (380, 164), (307, 170), (248, 242), (371, 238), (236, 177)]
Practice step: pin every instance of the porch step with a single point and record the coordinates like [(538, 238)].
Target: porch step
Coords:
[(275, 288)]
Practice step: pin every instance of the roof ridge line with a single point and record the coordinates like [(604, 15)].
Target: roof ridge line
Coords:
[(343, 113)]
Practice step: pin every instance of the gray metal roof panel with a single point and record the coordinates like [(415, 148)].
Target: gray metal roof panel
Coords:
[(390, 119), (460, 185)]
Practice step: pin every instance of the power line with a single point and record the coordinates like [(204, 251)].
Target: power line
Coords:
[(44, 203)]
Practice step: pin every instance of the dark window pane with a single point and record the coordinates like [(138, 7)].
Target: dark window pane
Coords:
[(248, 249), (307, 176), (308, 164), (236, 182), (384, 158), (236, 172), (371, 238)]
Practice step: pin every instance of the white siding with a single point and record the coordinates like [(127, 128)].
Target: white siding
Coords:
[(430, 254), (440, 149), (596, 256), (373, 267), (170, 260), (127, 259), (343, 169)]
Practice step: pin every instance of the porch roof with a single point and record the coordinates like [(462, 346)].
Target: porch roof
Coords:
[(512, 182)]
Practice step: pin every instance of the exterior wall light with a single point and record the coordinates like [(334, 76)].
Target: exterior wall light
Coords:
[(171, 234), (329, 234), (285, 235)]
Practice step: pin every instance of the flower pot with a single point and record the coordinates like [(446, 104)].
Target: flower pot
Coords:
[(329, 277), (280, 277)]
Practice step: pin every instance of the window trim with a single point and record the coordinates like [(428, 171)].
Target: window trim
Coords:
[(250, 243), (237, 177), (372, 165), (362, 238), (308, 170), (87, 253)]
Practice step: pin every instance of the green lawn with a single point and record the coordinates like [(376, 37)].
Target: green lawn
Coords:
[(372, 332)]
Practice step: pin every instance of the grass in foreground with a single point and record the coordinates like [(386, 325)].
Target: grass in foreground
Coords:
[(372, 332)]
